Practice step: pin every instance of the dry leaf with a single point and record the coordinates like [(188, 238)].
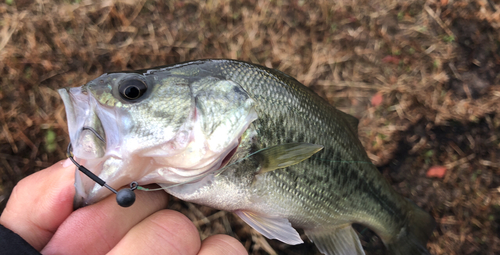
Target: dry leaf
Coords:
[(436, 171), (391, 59), (377, 99)]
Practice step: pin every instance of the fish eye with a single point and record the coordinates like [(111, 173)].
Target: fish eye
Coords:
[(132, 89)]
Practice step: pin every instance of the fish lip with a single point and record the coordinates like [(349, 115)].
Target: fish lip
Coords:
[(73, 97)]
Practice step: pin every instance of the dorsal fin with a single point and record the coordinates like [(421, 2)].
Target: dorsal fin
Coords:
[(351, 120)]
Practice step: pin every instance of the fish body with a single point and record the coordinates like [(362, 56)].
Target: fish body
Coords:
[(242, 138)]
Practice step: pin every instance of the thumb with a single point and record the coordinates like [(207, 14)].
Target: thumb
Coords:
[(40, 203)]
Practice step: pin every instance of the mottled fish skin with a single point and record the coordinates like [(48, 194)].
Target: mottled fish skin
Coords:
[(324, 194), (338, 184)]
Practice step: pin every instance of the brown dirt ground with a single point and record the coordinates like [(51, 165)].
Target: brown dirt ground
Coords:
[(435, 64)]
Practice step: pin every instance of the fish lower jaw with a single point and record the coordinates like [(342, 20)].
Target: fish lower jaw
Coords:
[(146, 170), (107, 169)]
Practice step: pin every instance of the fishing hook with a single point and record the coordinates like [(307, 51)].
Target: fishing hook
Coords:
[(124, 197)]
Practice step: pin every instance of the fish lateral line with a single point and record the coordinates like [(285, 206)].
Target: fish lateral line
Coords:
[(273, 157), (348, 161)]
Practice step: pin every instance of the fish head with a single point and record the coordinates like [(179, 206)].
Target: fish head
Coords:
[(155, 127)]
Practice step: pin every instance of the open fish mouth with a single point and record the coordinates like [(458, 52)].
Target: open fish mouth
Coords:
[(84, 126), (87, 132), (94, 144)]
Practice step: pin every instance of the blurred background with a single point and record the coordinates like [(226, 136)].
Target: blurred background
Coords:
[(422, 77)]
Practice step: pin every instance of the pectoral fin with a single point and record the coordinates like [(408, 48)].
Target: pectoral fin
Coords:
[(272, 228), (285, 155), (341, 240)]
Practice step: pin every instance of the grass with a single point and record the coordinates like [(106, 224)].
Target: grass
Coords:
[(435, 63)]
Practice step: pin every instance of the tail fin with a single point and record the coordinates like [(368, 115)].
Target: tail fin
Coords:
[(413, 238)]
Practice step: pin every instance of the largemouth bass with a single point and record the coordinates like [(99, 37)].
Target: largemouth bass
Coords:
[(242, 138)]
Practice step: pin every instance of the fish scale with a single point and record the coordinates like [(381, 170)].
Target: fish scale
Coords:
[(343, 180), (315, 135), (261, 145)]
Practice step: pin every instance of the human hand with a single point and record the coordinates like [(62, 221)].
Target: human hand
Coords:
[(40, 210)]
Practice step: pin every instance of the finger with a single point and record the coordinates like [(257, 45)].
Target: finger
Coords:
[(97, 228), (222, 245), (165, 232), (39, 203)]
